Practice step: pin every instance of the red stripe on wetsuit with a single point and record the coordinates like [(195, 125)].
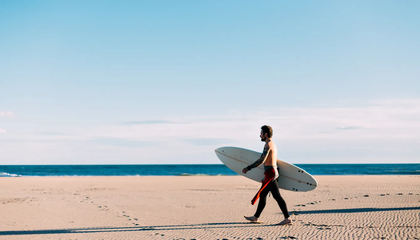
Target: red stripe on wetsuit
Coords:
[(269, 176)]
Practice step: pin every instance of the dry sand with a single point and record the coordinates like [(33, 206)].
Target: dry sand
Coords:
[(205, 207)]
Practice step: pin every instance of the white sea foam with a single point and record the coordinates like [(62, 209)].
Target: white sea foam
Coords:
[(190, 174), (201, 174), (5, 174)]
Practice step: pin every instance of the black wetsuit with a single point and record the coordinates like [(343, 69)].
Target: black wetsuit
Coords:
[(272, 187)]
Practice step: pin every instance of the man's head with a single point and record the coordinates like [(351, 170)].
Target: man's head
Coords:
[(266, 133)]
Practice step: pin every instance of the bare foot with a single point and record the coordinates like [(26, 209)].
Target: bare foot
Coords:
[(285, 222), (252, 219)]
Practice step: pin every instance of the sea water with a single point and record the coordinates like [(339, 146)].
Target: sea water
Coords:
[(196, 169)]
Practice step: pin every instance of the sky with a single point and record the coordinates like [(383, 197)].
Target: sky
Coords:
[(167, 82)]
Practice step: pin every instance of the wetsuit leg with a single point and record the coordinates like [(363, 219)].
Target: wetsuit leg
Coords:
[(274, 189), (263, 200)]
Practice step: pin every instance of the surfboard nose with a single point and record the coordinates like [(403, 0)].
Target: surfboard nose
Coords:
[(220, 150)]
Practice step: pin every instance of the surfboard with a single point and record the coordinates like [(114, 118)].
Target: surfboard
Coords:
[(291, 177)]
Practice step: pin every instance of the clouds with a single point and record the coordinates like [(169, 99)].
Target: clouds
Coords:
[(7, 114), (377, 131), (118, 142), (210, 141), (350, 128), (380, 119), (148, 122)]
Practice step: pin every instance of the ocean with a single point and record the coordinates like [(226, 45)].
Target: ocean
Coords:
[(196, 169)]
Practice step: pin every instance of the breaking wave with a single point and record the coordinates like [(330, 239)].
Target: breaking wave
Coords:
[(5, 174)]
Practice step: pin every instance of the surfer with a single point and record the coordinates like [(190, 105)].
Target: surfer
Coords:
[(269, 183)]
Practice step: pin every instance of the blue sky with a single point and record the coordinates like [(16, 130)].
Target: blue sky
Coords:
[(110, 82)]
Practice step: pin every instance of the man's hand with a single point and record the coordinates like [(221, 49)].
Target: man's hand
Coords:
[(245, 170)]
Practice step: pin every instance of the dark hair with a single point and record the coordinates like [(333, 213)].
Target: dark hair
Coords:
[(268, 130)]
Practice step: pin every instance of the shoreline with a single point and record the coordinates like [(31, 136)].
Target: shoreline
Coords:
[(205, 175)]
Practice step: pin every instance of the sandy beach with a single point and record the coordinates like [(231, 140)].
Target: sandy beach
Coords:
[(205, 207)]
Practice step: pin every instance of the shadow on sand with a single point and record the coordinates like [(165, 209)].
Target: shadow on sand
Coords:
[(133, 229), (354, 210), (191, 226)]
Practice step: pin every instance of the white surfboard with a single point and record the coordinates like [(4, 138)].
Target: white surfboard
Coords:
[(291, 177)]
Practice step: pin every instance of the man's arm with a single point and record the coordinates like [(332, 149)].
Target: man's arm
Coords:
[(261, 160)]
